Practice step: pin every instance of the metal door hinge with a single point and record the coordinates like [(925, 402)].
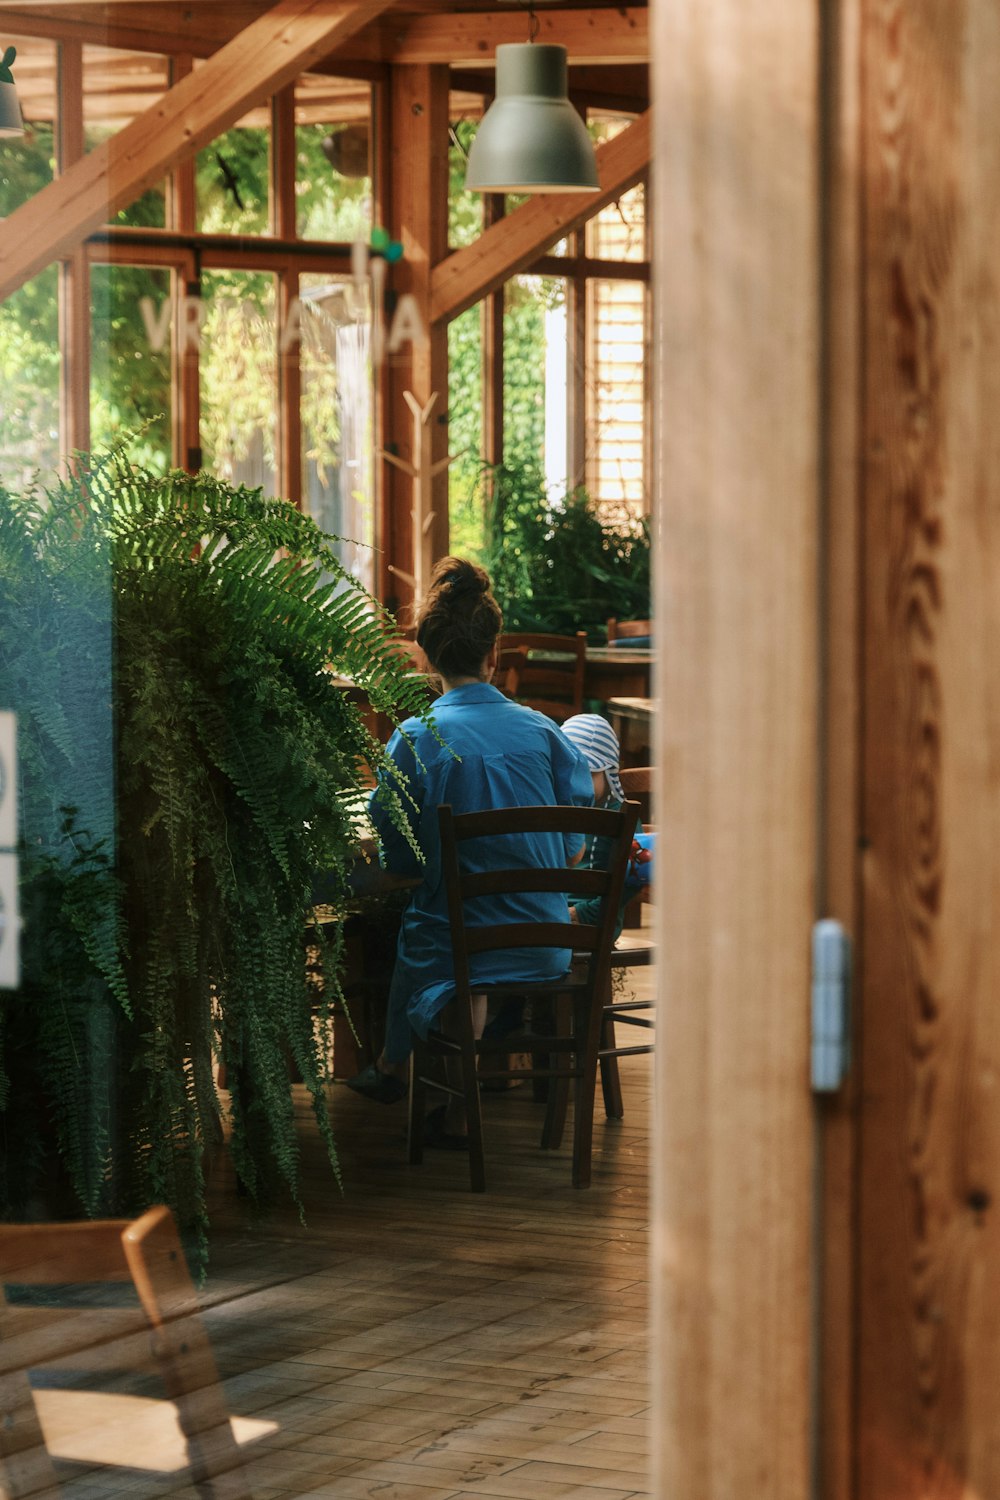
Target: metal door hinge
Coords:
[(831, 1006)]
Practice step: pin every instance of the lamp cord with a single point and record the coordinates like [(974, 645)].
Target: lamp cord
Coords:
[(534, 25)]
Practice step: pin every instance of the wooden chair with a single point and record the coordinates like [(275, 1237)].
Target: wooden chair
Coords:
[(58, 1316), (630, 952), (578, 999), (544, 671), (626, 630), (637, 784)]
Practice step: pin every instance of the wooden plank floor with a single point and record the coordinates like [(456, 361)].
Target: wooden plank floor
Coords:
[(415, 1341)]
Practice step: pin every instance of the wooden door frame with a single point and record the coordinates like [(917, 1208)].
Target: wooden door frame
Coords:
[(840, 728), (758, 558)]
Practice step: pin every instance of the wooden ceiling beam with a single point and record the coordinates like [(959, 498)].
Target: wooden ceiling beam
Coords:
[(163, 27), (269, 54), (512, 244), (178, 29), (468, 39)]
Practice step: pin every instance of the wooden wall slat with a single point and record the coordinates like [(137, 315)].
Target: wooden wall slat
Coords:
[(737, 354), (929, 1324)]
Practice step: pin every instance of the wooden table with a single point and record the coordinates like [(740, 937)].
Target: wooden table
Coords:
[(617, 672), (370, 923), (632, 720)]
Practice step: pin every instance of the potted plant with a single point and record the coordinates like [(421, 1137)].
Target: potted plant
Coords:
[(186, 770), (561, 565)]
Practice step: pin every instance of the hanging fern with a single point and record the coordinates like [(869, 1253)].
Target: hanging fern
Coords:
[(187, 769)]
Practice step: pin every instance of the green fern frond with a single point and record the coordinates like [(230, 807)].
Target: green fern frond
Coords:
[(184, 632)]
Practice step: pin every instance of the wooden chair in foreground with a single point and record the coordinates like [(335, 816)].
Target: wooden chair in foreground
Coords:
[(578, 999), (63, 1323), (628, 630), (544, 672), (631, 951)]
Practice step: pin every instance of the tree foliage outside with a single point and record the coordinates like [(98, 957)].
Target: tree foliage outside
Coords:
[(29, 324), (131, 384), (328, 205), (526, 301), (186, 770)]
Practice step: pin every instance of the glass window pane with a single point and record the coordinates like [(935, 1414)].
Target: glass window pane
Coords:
[(29, 379), (130, 358), (117, 86), (465, 208), (618, 232), (535, 375), (616, 395), (239, 378), (333, 149), (337, 436), (29, 318), (232, 178), (27, 162), (465, 431)]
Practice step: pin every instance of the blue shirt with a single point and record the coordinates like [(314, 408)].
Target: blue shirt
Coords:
[(496, 753)]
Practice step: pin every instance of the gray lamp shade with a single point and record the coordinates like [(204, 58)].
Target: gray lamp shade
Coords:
[(531, 139), (10, 111)]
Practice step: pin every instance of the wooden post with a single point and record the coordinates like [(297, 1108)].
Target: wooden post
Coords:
[(492, 351), (74, 271), (735, 169), (576, 367), (186, 378), (283, 162), (419, 197), (835, 1271)]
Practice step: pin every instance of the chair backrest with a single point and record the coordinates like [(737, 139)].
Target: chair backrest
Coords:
[(147, 1322), (625, 630), (465, 880), (544, 672), (637, 784)]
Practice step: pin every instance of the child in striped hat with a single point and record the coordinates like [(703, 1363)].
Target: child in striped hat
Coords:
[(598, 744)]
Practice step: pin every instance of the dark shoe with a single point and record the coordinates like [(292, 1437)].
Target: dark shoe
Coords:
[(382, 1087), (436, 1135)]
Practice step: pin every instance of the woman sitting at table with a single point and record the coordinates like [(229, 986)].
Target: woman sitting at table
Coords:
[(483, 751)]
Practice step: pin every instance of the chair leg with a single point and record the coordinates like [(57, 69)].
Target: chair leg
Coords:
[(558, 1095), (586, 1087), (542, 1024), (415, 1121), (474, 1115), (611, 1084)]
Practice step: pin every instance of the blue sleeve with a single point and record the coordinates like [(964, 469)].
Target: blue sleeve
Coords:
[(397, 854)]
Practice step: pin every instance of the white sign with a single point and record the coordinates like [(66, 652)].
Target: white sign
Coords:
[(188, 316), (8, 779), (10, 925)]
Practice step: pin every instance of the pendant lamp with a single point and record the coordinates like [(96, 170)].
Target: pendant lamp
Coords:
[(531, 139), (10, 111)]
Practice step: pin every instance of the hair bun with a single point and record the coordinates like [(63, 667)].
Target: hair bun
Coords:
[(463, 577), (459, 620)]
